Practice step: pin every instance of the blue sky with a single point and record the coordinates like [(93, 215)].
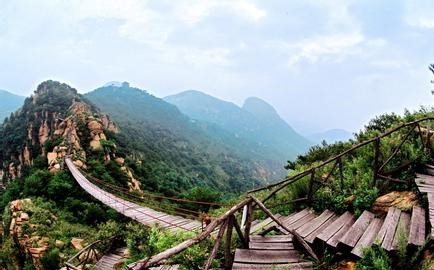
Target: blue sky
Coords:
[(322, 64)]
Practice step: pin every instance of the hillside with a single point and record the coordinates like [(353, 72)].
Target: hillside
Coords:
[(257, 123), (9, 103), (177, 154)]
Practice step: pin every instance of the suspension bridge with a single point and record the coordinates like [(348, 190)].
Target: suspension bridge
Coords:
[(302, 232)]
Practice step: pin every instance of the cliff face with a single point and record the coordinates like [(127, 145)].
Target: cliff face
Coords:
[(53, 122)]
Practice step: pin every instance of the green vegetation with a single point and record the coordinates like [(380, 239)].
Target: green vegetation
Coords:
[(168, 152), (354, 189)]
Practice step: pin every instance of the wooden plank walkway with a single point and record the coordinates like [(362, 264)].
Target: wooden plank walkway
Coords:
[(425, 184), (346, 233), (270, 252), (144, 215), (111, 260)]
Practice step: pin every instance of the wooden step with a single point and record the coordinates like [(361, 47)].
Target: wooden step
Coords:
[(271, 246), (368, 237), (301, 221), (266, 256), (311, 226), (417, 227), (289, 266), (335, 226), (387, 231), (401, 233), (311, 237), (352, 236), (272, 238)]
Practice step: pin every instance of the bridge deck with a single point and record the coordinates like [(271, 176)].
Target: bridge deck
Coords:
[(137, 212)]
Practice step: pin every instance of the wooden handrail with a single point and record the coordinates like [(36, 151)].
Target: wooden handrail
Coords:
[(338, 159), (155, 260), (357, 146)]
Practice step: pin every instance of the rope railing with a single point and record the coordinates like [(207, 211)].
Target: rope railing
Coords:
[(377, 166), (140, 199), (87, 185)]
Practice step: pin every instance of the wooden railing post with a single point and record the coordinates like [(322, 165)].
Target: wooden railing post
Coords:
[(312, 179), (376, 160), (341, 173), (228, 242), (248, 224), (218, 240)]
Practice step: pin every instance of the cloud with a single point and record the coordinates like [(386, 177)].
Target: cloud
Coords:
[(419, 13), (197, 10), (313, 49)]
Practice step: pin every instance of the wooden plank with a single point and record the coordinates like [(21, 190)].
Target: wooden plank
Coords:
[(368, 237), (272, 238), (417, 227), (391, 213), (301, 221), (273, 246), (333, 228), (286, 220), (266, 256), (334, 240), (311, 226), (311, 237), (290, 266), (387, 231), (401, 232), (356, 231)]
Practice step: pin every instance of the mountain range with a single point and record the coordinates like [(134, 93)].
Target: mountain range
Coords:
[(9, 103), (183, 140)]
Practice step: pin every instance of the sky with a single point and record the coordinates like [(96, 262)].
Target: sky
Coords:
[(322, 64)]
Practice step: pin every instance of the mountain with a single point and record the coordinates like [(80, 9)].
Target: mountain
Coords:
[(179, 152), (9, 103), (256, 123), (331, 136)]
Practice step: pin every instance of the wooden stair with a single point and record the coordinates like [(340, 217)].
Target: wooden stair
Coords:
[(425, 184), (270, 252), (111, 260), (346, 233)]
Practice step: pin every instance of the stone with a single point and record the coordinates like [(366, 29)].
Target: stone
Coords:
[(78, 163), (24, 216), (346, 265), (403, 200), (51, 156), (60, 244), (120, 161), (95, 145), (77, 243)]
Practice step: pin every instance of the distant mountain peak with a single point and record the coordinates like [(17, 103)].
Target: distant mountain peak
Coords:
[(117, 84), (259, 108)]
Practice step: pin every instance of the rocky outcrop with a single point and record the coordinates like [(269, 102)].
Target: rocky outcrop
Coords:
[(403, 200)]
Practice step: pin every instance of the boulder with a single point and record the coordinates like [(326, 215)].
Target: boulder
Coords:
[(24, 216), (78, 163), (60, 244), (120, 161), (403, 200), (51, 156), (77, 243)]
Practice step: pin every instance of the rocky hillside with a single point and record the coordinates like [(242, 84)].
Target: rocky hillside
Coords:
[(52, 119)]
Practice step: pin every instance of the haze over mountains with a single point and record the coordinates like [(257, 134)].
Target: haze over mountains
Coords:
[(256, 123), (9, 103)]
